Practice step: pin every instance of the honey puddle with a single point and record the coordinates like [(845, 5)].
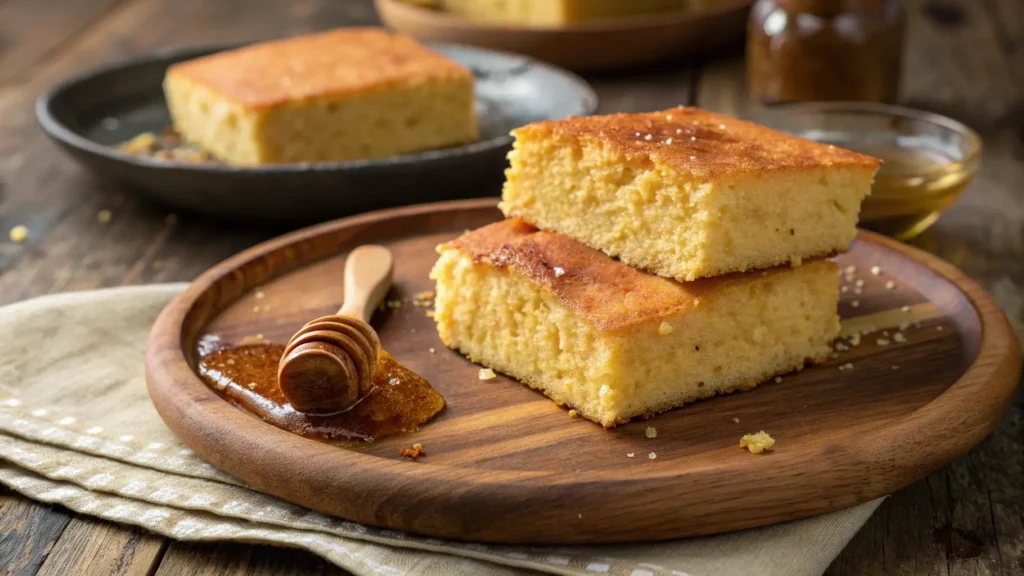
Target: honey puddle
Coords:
[(399, 402)]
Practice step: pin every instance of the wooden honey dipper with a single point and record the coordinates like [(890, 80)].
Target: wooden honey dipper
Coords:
[(328, 364)]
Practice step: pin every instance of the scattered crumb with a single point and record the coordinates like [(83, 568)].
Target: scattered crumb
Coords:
[(648, 137), (693, 158), (899, 337), (104, 216), (859, 283), (651, 432), (721, 126), (251, 385), (486, 374), (876, 270), (844, 289), (432, 350), (847, 366), (939, 328), (665, 329), (904, 326), (573, 413), (255, 308), (652, 455), (692, 138), (882, 341), (778, 379), (259, 295), (850, 269), (430, 313), (840, 347), (895, 367), (855, 303), (413, 453), (559, 271), (890, 285), (905, 309), (421, 297), (857, 290), (393, 304), (855, 339), (18, 234), (580, 516), (250, 340), (736, 420), (630, 454), (171, 219), (668, 140), (757, 443)]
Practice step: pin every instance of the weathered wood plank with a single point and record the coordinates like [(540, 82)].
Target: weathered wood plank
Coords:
[(30, 30), (28, 531), (95, 547)]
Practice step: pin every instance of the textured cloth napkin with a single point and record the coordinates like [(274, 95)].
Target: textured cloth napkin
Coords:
[(77, 429)]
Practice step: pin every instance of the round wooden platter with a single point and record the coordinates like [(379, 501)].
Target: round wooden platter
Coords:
[(599, 45), (505, 464)]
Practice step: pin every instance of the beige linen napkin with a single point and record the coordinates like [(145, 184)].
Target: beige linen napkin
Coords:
[(77, 429)]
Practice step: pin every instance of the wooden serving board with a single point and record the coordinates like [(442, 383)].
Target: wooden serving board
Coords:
[(505, 464)]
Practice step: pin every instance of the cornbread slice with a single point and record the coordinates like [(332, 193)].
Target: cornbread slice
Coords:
[(340, 95), (686, 193), (614, 343)]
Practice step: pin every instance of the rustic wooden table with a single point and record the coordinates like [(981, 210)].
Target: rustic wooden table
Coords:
[(964, 58)]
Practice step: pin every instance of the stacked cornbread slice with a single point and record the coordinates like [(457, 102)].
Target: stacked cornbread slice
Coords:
[(720, 227)]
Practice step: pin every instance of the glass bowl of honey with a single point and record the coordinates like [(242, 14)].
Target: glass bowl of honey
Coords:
[(929, 158)]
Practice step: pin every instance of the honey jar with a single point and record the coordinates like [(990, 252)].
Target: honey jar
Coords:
[(806, 50)]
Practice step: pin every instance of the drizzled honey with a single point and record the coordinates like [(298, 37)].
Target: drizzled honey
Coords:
[(400, 400)]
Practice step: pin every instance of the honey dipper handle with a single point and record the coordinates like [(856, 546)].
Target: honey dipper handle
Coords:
[(368, 272)]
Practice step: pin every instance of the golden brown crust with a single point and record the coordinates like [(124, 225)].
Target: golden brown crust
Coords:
[(609, 294), (708, 145), (336, 62)]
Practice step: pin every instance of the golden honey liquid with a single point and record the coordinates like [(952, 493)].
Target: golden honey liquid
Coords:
[(913, 187)]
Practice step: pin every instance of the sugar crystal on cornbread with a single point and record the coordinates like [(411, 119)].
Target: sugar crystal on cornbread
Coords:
[(346, 94), (613, 342), (686, 193)]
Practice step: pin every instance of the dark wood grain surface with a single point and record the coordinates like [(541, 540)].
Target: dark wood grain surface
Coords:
[(964, 58)]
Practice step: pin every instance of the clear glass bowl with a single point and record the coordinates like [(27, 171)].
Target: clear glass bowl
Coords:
[(929, 158)]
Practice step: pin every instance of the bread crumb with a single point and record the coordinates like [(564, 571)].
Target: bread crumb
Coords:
[(580, 516), (859, 283), (652, 455), (259, 295), (651, 432), (778, 379), (757, 443), (847, 366), (840, 347), (736, 420), (573, 413), (559, 271), (876, 270), (18, 234), (857, 290), (844, 289), (904, 326), (850, 269), (905, 309), (255, 308), (890, 285), (630, 454), (423, 299), (430, 313), (393, 304), (895, 367), (486, 374), (855, 339), (938, 328), (413, 453), (252, 385), (665, 329), (899, 337), (104, 216), (855, 303), (648, 137), (432, 350), (882, 341)]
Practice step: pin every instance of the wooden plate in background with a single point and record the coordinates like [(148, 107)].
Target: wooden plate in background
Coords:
[(598, 45), (504, 464)]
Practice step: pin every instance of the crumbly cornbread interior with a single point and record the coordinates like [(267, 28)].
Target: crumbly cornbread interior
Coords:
[(686, 193), (341, 95), (614, 343)]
